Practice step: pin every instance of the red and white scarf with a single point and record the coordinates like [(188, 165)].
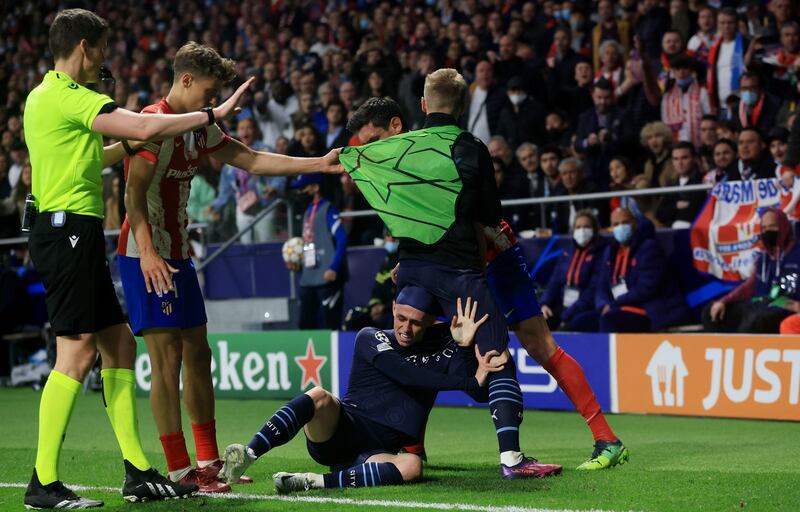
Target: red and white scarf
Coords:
[(675, 116), (752, 119)]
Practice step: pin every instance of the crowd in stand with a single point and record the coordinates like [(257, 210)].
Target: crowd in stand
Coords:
[(570, 97)]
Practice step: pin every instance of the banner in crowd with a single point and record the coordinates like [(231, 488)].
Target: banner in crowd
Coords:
[(725, 234), (738, 376), (274, 364), (539, 389)]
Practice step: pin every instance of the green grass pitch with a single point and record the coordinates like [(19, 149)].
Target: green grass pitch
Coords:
[(677, 464)]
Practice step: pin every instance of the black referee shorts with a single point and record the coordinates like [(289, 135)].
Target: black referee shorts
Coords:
[(71, 261)]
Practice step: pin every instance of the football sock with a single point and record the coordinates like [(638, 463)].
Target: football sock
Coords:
[(572, 380), (55, 409), (505, 406), (119, 397), (205, 442), (368, 474), (283, 425), (178, 462)]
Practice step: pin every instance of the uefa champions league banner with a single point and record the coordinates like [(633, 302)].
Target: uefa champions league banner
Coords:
[(720, 375), (539, 389), (725, 233), (273, 364)]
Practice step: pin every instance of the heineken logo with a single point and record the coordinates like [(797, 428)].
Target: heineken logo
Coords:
[(259, 364)]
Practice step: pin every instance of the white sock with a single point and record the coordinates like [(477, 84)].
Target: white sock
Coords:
[(179, 473), (316, 480), (205, 463), (510, 458)]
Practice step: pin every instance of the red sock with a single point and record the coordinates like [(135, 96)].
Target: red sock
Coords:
[(175, 451), (570, 377), (205, 441)]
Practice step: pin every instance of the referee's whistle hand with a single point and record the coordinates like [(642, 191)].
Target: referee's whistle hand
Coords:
[(230, 107), (156, 273)]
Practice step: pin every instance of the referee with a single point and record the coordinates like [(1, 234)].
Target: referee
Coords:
[(64, 127)]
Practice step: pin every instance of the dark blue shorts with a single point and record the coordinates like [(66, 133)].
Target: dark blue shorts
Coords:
[(512, 287), (355, 440), (182, 308), (448, 284)]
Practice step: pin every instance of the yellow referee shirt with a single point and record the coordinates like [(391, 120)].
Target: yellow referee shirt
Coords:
[(66, 155)]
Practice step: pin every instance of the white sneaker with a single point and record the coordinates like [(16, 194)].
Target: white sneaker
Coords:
[(290, 482), (237, 458)]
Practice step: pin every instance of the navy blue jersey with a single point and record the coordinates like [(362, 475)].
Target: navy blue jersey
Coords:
[(395, 386)]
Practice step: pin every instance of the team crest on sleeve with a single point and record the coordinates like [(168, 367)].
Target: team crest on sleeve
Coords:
[(384, 344)]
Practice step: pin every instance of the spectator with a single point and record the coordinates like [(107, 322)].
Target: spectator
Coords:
[(685, 102), (671, 48), (528, 157), (622, 177), (324, 269), (678, 211), (411, 88), (272, 113), (777, 142), (708, 138), (725, 59), (754, 162), (250, 192), (337, 135), (573, 183), (570, 289), (521, 117), (556, 128), (505, 188), (378, 311), (602, 131), (608, 28), (513, 171), (701, 42), (485, 103), (656, 137), (576, 99), (506, 62), (724, 162), (779, 64), (545, 182), (747, 308), (632, 293), (727, 129), (653, 21), (560, 69), (611, 67), (758, 109)]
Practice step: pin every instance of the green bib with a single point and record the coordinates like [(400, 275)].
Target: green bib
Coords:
[(411, 180)]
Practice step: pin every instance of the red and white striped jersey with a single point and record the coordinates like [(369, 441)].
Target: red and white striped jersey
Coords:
[(176, 162)]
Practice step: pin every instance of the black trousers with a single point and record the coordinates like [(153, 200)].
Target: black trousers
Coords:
[(321, 306), (745, 317)]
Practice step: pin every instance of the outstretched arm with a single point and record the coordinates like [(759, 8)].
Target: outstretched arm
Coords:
[(272, 164)]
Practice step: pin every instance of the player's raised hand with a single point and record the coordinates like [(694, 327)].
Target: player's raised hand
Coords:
[(463, 326), (230, 107), (331, 163), (489, 362)]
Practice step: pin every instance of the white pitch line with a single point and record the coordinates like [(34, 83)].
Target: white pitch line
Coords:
[(337, 501)]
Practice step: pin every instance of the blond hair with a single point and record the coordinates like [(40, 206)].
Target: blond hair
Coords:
[(445, 91), (202, 60), (656, 128)]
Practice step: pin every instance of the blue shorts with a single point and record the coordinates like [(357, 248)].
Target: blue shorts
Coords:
[(182, 308), (447, 284), (355, 440), (512, 287)]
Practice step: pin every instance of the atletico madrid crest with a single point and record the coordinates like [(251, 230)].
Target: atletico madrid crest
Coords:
[(166, 307)]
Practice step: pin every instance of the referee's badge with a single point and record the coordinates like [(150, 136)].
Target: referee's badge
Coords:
[(166, 307)]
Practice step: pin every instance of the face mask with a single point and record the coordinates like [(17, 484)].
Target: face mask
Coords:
[(683, 83), (770, 238), (364, 23), (583, 236), (516, 99), (623, 233), (562, 14), (749, 98), (391, 246)]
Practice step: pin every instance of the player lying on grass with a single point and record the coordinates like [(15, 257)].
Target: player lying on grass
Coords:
[(393, 382), (515, 295)]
